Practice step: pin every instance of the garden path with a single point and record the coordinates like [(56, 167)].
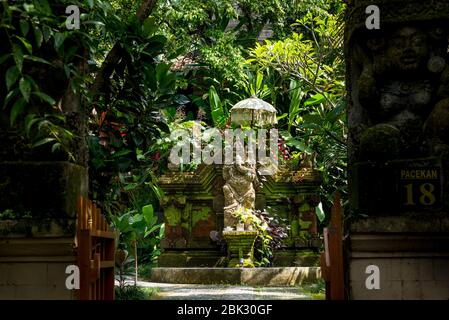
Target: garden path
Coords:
[(168, 291)]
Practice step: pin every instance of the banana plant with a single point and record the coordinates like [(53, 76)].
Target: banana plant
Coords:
[(135, 227)]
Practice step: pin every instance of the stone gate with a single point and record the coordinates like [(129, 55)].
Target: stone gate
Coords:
[(193, 208)]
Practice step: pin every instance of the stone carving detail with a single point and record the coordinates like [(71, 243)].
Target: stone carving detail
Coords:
[(239, 189), (403, 94), (398, 111)]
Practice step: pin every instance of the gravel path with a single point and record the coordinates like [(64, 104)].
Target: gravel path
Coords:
[(168, 291)]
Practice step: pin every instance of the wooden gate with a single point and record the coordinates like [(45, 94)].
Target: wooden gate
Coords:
[(332, 257), (96, 253)]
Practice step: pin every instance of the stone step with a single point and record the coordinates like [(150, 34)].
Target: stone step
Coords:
[(285, 276)]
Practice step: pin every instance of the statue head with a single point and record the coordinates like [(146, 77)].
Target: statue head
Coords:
[(407, 50)]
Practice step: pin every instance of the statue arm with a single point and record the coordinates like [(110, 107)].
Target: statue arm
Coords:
[(248, 172)]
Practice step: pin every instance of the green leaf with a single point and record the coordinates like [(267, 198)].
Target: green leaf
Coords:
[(9, 96), (28, 7), (284, 115), (163, 127), (38, 36), (11, 76), (121, 153), (314, 100), (130, 186), (162, 230), (154, 228), (43, 141), (43, 5), (338, 111), (44, 97), (148, 213), (217, 110), (4, 57), (151, 76), (181, 99), (24, 27), (56, 146), (59, 40), (37, 59), (94, 22), (161, 71), (18, 56), (29, 121), (157, 40), (299, 144), (43, 123), (25, 88), (47, 32), (319, 212), (312, 126), (149, 26), (17, 109), (26, 44)]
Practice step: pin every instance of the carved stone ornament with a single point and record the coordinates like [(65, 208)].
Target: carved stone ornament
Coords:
[(398, 80), (239, 190)]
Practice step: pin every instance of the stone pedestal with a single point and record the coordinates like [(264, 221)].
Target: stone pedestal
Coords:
[(34, 255), (240, 247), (411, 252)]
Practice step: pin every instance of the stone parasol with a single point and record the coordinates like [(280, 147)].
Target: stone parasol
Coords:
[(254, 112)]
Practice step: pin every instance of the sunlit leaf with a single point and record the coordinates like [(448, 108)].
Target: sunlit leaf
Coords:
[(319, 212), (43, 141)]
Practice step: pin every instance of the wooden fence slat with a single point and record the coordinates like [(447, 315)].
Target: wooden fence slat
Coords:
[(83, 215), (89, 215), (95, 249), (94, 217), (99, 220), (104, 224), (332, 259), (83, 263)]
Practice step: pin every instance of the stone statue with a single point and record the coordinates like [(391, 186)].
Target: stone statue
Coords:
[(239, 189), (403, 89)]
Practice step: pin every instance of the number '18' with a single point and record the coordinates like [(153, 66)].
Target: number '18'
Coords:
[(427, 197)]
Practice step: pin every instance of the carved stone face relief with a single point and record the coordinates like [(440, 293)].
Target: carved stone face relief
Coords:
[(407, 50), (402, 73)]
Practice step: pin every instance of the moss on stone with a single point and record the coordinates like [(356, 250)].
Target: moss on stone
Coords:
[(200, 213), (172, 216)]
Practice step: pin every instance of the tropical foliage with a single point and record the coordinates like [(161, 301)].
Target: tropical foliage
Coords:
[(136, 70)]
